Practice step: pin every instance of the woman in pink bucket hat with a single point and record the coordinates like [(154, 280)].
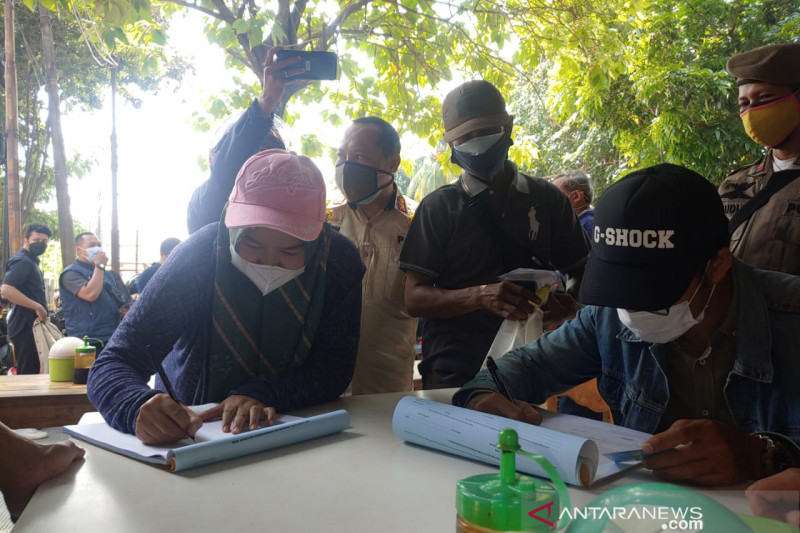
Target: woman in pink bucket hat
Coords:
[(259, 312)]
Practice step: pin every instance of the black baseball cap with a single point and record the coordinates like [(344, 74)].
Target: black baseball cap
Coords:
[(653, 230)]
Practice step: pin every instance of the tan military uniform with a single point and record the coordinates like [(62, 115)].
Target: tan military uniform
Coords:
[(770, 238), (386, 350)]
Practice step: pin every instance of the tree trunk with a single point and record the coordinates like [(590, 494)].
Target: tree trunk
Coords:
[(65, 226), (12, 133)]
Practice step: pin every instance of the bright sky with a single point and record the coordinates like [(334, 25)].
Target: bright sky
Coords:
[(158, 150)]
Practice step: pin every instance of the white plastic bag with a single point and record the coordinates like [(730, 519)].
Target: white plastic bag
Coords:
[(513, 334), (44, 335)]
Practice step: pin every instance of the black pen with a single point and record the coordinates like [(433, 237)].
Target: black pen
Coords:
[(167, 385), (498, 381)]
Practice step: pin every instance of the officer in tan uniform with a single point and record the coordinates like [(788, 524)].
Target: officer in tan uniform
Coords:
[(769, 104), (376, 217)]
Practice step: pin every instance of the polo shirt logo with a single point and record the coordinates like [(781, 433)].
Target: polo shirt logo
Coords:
[(534, 231), (635, 238)]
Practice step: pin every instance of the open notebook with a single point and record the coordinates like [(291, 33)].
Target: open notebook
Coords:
[(211, 445), (575, 445)]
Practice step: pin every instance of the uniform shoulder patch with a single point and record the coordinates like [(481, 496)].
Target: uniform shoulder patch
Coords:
[(405, 206)]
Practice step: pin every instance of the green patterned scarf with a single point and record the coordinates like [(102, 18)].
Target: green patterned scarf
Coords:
[(253, 334)]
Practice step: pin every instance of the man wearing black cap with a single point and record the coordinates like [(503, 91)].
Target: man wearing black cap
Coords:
[(766, 211), (463, 236), (686, 341)]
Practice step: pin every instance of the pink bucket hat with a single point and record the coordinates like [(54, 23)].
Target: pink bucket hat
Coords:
[(279, 190)]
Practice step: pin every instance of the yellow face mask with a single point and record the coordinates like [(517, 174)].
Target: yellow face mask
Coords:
[(771, 123)]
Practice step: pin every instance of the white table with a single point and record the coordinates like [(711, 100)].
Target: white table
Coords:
[(362, 480)]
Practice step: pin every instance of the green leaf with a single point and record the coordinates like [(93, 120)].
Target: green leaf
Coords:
[(158, 36), (241, 26)]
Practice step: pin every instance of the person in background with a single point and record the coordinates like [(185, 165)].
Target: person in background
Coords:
[(93, 299), (24, 465), (167, 246), (768, 236), (254, 131), (464, 235), (23, 286), (376, 217), (686, 341), (577, 187), (258, 312)]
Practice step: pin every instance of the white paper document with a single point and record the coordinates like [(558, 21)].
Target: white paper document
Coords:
[(211, 444), (574, 445)]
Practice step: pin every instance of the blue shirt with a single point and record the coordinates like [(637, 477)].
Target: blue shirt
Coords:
[(762, 387), (247, 136), (171, 323), (145, 277), (587, 222)]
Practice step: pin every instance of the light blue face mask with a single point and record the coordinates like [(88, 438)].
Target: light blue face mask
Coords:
[(369, 198), (92, 252), (479, 145)]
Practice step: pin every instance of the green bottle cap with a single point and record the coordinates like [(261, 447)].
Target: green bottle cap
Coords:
[(86, 348), (504, 501)]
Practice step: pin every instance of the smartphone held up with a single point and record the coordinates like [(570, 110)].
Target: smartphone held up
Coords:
[(316, 65)]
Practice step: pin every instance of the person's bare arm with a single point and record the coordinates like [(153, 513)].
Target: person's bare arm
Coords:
[(423, 298), (13, 295)]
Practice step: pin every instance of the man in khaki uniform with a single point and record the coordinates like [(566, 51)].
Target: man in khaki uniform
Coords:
[(769, 104), (376, 217)]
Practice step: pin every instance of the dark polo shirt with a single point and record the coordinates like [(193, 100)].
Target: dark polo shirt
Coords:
[(448, 242), (22, 273)]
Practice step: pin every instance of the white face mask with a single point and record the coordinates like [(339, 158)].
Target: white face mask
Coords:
[(665, 326), (479, 145), (92, 252), (267, 278)]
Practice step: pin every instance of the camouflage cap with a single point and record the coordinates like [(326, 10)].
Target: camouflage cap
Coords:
[(774, 63)]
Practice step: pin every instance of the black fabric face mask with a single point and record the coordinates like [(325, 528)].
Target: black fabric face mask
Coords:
[(486, 165), (358, 182), (37, 248)]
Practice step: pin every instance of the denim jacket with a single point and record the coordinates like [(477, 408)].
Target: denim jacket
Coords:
[(762, 389)]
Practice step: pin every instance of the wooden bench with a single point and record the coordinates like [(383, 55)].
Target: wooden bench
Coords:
[(33, 401)]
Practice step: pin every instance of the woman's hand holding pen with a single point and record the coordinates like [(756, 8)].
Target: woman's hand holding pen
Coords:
[(496, 404), (240, 413), (162, 420)]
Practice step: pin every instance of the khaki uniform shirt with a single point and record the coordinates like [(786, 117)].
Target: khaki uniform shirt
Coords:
[(385, 360), (770, 238)]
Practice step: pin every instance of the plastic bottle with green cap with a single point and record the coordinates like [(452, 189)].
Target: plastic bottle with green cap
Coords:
[(508, 501), (84, 359)]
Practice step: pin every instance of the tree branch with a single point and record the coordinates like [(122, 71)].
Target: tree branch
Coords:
[(198, 8), (226, 14), (331, 29)]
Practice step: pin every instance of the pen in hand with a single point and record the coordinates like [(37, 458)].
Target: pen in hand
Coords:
[(498, 380), (167, 385)]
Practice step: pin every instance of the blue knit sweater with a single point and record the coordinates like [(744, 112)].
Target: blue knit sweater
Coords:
[(171, 322)]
